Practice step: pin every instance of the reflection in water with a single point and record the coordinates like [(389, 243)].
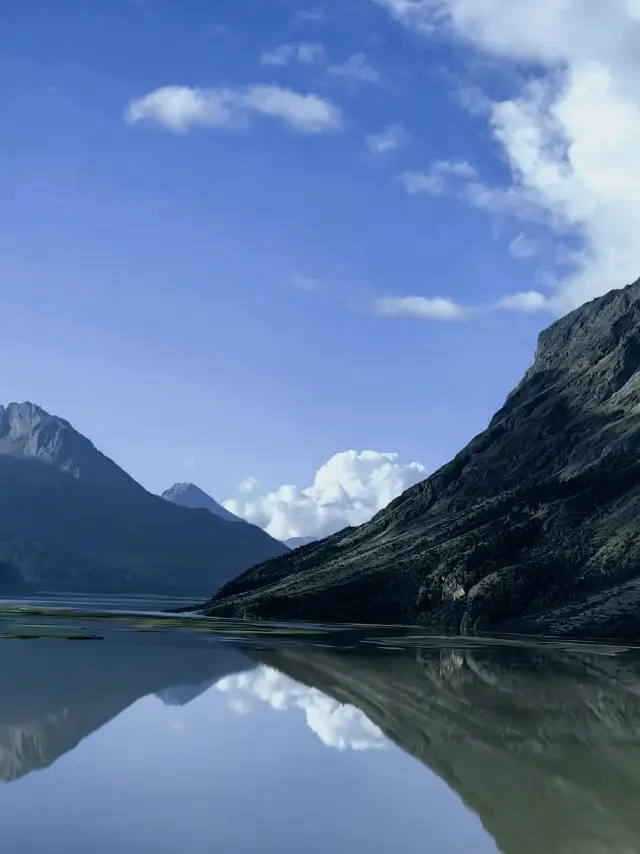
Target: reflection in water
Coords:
[(56, 693), (336, 724), (543, 745)]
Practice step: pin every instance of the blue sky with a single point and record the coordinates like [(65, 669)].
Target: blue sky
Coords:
[(230, 299)]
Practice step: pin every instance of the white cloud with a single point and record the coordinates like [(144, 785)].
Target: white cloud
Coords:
[(571, 135), (434, 181), (432, 308), (388, 140), (248, 485), (422, 182), (347, 490), (523, 247), (337, 725), (181, 109), (459, 168), (441, 308), (356, 67), (526, 301), (304, 53)]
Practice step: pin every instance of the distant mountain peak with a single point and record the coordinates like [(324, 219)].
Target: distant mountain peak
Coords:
[(191, 496)]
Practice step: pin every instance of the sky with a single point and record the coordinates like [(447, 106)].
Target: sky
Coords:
[(298, 252)]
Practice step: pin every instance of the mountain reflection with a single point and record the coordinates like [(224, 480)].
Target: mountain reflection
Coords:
[(543, 745), (56, 693)]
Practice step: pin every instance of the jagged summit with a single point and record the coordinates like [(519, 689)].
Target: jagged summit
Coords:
[(190, 495), (27, 430), (534, 525)]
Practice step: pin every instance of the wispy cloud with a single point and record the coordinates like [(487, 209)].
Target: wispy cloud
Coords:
[(304, 53), (306, 283), (431, 308), (434, 180), (570, 136), (182, 109), (356, 67), (392, 138), (523, 247), (447, 310), (422, 182), (310, 15)]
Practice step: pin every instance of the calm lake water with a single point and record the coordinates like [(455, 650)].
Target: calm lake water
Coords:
[(124, 732)]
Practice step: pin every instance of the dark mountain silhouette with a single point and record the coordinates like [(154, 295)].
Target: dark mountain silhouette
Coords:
[(72, 521), (534, 526), (296, 542), (190, 495), (12, 582), (59, 692), (543, 745)]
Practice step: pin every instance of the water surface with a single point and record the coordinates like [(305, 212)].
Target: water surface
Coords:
[(130, 732)]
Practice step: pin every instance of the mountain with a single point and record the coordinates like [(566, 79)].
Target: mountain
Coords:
[(71, 520), (296, 542), (534, 526), (61, 692), (543, 745), (190, 495)]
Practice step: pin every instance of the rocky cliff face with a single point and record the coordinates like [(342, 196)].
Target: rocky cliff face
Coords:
[(534, 526), (71, 520)]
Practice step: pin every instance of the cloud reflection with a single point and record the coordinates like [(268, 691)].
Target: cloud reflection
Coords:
[(337, 725)]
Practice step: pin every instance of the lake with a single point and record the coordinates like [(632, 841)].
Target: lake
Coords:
[(138, 732)]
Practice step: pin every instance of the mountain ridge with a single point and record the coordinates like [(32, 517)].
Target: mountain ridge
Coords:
[(537, 514), (190, 495), (71, 520)]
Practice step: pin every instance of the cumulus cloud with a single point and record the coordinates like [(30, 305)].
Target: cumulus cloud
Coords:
[(337, 725), (356, 67), (303, 53), (388, 140), (181, 108), (347, 490), (571, 133)]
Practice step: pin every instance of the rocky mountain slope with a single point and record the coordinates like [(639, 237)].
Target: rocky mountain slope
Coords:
[(296, 542), (71, 520), (190, 495), (543, 745), (534, 526)]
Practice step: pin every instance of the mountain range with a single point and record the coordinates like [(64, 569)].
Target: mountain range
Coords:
[(190, 495), (533, 527), (71, 520)]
